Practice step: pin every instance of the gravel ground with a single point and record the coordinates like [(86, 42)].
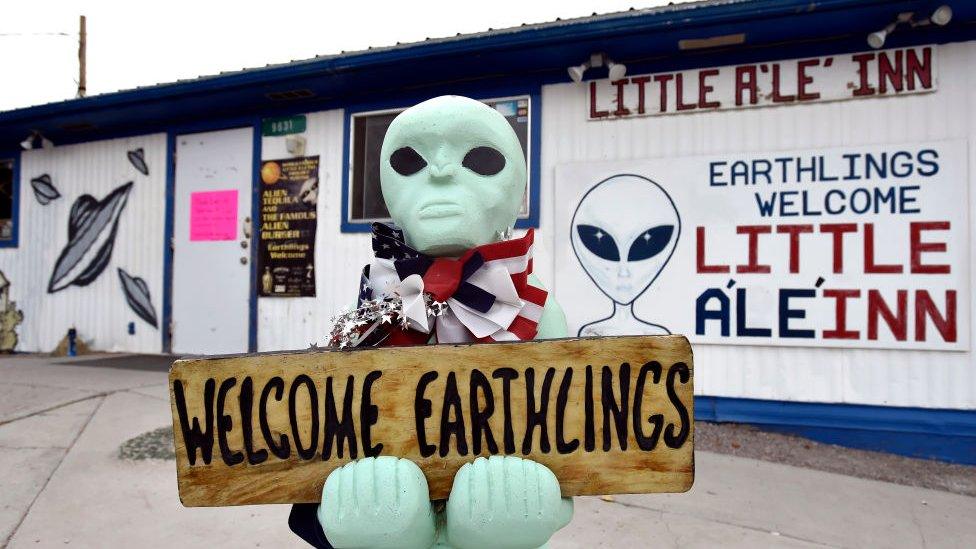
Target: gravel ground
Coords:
[(737, 440), (750, 442)]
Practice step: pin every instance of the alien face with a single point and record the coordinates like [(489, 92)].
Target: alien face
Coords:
[(452, 173), (309, 193), (623, 232)]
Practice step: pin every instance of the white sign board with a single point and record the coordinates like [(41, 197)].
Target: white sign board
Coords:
[(789, 82), (847, 247)]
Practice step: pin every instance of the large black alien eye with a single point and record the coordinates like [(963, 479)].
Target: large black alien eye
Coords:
[(599, 242), (484, 161), (650, 242), (407, 161)]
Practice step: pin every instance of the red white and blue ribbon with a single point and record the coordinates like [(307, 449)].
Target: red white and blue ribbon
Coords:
[(483, 295)]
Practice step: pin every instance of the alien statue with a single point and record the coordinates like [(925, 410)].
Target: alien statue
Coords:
[(453, 177)]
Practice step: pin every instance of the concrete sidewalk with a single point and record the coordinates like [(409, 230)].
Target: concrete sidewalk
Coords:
[(63, 484)]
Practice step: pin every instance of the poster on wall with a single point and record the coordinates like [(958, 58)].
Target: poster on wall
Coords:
[(286, 243), (861, 246)]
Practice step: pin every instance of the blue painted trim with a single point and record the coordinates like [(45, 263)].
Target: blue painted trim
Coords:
[(15, 207), (167, 339), (252, 331), (511, 89), (930, 433)]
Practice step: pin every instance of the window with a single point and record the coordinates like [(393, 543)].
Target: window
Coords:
[(363, 196), (8, 203)]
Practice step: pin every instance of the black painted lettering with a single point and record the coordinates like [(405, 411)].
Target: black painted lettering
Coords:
[(452, 427), (681, 370), (337, 431), (246, 401), (644, 442), (479, 415), (368, 416), (562, 397), (193, 438), (507, 375), (225, 423), (422, 411), (282, 449), (589, 440), (313, 405), (611, 407), (536, 416)]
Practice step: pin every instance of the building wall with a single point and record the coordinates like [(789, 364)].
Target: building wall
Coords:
[(297, 322), (882, 377), (99, 310)]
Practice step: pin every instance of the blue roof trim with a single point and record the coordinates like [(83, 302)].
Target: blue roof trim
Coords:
[(534, 53)]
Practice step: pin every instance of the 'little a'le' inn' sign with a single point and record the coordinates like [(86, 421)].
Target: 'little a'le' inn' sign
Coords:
[(788, 82)]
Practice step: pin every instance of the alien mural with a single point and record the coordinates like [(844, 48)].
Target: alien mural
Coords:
[(453, 177), (624, 231)]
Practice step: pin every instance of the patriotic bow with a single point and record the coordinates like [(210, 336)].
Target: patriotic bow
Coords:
[(483, 295)]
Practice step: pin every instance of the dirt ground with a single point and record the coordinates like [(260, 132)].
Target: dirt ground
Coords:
[(750, 442)]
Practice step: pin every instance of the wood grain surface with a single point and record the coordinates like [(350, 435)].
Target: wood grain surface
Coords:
[(607, 415)]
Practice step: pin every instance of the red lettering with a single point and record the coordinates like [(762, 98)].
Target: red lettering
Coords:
[(922, 70), (794, 231), (897, 323), (918, 247), (594, 113), (778, 97), (742, 85), (679, 82), (840, 330), (925, 307), (622, 110), (862, 60), (704, 89), (662, 80), (888, 73), (700, 253), (802, 80), (753, 231), (640, 81), (838, 230), (869, 265)]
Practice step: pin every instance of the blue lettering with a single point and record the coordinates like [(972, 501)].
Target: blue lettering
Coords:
[(786, 313), (713, 174), (766, 207), (702, 313), (740, 318)]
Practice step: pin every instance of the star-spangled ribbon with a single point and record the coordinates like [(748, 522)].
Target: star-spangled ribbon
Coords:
[(483, 298)]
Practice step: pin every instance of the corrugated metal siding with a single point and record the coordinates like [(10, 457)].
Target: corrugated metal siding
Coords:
[(99, 311), (297, 322), (883, 377)]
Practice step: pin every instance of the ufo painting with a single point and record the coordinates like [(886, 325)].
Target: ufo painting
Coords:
[(138, 159), (137, 296), (91, 236), (44, 190)]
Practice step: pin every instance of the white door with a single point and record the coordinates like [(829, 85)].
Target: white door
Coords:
[(211, 242)]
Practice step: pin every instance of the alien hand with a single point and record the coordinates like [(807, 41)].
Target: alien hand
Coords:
[(380, 502), (505, 502)]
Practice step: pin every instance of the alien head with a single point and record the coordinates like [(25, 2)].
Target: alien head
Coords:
[(624, 231), (453, 174)]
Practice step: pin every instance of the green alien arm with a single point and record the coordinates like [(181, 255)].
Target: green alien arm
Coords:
[(552, 325)]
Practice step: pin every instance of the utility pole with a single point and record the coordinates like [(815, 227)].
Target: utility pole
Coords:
[(82, 46)]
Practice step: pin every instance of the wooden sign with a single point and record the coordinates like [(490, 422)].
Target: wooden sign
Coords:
[(607, 415)]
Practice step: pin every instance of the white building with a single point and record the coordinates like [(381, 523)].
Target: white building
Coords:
[(754, 175)]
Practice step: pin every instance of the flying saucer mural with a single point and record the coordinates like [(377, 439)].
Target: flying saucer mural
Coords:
[(92, 227), (138, 159), (137, 296), (44, 190)]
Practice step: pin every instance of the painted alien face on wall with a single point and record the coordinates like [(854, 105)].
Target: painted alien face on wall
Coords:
[(452, 173), (624, 231)]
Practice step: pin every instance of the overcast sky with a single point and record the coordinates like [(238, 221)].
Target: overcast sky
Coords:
[(135, 43)]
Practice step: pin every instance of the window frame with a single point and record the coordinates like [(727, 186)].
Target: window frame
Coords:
[(533, 156), (14, 158)]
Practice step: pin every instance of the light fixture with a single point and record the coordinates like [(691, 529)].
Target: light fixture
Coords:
[(615, 71), (36, 140), (942, 15), (576, 72)]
